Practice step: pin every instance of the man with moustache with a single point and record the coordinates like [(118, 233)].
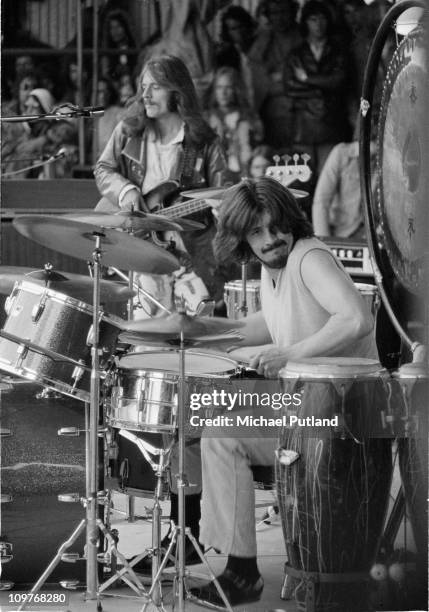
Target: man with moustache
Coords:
[(310, 308)]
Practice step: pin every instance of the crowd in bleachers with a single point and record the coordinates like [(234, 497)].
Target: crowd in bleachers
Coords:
[(282, 81)]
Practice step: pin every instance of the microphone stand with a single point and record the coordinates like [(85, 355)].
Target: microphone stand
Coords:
[(74, 112)]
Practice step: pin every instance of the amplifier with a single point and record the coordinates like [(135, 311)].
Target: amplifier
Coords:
[(353, 254)]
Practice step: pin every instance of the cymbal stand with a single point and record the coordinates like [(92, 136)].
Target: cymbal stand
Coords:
[(139, 289), (180, 532), (243, 307), (159, 469)]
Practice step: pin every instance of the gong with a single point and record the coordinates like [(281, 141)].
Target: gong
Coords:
[(403, 161)]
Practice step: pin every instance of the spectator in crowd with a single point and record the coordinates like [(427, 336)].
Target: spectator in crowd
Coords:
[(70, 79), (184, 34), (117, 36), (271, 48), (238, 32), (107, 96), (260, 160), (338, 204), (126, 92), (21, 150), (232, 120), (314, 79), (19, 95)]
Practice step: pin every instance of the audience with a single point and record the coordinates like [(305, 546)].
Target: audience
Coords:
[(271, 48), (315, 82), (117, 36), (289, 74), (232, 120)]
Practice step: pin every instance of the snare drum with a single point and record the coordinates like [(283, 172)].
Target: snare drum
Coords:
[(145, 389), (61, 327), (334, 497), (233, 297)]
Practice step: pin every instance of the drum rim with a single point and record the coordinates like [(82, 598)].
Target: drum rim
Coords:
[(68, 300), (175, 373), (312, 368)]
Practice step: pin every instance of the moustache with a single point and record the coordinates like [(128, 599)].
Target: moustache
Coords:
[(274, 245)]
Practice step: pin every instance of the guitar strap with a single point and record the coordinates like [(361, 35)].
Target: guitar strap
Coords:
[(188, 162)]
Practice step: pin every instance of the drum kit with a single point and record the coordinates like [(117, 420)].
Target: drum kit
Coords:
[(57, 334)]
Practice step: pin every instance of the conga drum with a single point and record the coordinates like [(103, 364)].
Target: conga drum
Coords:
[(409, 406), (333, 498)]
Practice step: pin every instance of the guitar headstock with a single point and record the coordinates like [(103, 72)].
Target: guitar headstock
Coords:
[(290, 172)]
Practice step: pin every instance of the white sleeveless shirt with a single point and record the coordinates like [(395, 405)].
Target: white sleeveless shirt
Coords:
[(290, 310)]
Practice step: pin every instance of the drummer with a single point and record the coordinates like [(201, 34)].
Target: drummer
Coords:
[(163, 136), (310, 308)]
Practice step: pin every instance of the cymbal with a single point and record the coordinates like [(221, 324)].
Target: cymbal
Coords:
[(128, 220), (74, 285), (212, 193), (78, 239), (212, 340), (168, 329)]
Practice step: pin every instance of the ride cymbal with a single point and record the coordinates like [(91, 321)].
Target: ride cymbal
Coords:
[(127, 220), (78, 239)]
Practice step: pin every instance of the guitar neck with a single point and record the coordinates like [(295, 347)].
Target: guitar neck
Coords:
[(184, 208)]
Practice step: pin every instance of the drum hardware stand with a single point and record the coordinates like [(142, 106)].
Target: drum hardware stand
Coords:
[(136, 286), (91, 523), (243, 307), (159, 468), (180, 532)]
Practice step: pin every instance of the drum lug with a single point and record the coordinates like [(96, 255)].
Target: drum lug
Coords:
[(69, 498), (5, 498), (21, 351), (38, 309), (8, 304), (6, 552), (5, 433), (90, 336), (78, 373)]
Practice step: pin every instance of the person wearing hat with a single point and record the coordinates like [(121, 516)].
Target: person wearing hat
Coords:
[(36, 138)]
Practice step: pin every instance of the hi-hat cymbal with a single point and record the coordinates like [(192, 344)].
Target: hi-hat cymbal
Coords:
[(78, 239), (127, 220), (168, 329), (74, 285)]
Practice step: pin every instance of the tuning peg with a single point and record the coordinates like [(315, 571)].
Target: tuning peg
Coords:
[(305, 158), (276, 159), (286, 159), (296, 158)]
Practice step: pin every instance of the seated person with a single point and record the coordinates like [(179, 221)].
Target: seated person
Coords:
[(310, 308)]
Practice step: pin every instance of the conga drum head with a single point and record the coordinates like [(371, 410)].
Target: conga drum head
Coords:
[(331, 367)]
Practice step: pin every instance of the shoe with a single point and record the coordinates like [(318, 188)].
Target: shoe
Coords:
[(144, 566), (236, 588)]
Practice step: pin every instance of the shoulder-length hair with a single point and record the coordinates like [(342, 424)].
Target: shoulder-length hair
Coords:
[(170, 72), (239, 100), (244, 204)]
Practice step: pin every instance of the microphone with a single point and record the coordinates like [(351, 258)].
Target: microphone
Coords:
[(72, 111)]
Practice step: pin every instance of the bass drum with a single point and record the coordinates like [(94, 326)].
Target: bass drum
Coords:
[(36, 466)]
